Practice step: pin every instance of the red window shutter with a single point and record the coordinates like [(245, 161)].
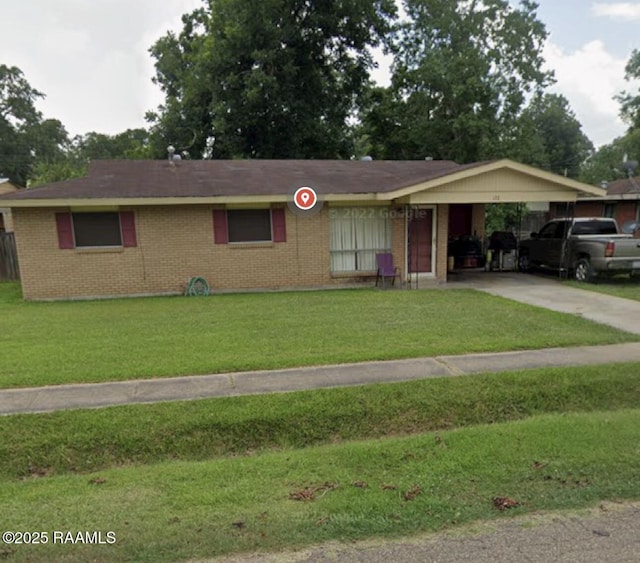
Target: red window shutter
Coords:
[(128, 227), (65, 231), (279, 225), (220, 230)]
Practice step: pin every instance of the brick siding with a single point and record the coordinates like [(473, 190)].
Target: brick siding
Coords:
[(175, 244)]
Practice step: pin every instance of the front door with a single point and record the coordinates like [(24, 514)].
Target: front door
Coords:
[(420, 241)]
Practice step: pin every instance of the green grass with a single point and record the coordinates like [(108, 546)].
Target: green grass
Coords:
[(90, 341), (181, 510), (622, 286), (177, 481), (89, 440)]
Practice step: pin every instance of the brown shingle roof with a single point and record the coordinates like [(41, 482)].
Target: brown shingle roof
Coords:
[(207, 178), (626, 186)]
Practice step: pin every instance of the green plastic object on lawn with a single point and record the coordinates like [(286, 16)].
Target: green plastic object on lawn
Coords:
[(197, 286)]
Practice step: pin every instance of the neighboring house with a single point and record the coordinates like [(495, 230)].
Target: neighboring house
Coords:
[(133, 227), (6, 222), (621, 202)]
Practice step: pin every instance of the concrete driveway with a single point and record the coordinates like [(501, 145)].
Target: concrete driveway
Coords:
[(550, 293)]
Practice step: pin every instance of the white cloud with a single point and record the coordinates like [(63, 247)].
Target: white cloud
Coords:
[(590, 78), (628, 11), (90, 59)]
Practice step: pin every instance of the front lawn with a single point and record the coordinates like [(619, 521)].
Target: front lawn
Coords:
[(91, 341), (177, 511), (622, 286)]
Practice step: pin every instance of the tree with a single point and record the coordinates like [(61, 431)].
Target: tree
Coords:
[(550, 131), (460, 77), (606, 164), (18, 117), (131, 144), (630, 103), (72, 157), (269, 79)]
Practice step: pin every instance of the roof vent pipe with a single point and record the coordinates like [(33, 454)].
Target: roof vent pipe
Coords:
[(172, 156)]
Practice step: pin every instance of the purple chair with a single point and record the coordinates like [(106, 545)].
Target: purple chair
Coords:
[(386, 269)]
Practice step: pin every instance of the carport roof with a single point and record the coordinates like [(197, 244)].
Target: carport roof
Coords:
[(161, 182)]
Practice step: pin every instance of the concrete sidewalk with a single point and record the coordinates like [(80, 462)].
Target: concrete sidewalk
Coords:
[(52, 398)]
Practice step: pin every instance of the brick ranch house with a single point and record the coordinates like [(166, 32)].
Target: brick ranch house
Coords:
[(146, 227), (621, 202)]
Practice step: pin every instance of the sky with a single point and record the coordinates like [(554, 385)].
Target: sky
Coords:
[(90, 57)]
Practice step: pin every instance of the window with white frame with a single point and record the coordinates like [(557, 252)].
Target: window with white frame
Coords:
[(357, 234)]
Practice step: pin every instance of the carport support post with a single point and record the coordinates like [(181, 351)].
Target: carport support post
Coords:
[(407, 219), (563, 272), (412, 212)]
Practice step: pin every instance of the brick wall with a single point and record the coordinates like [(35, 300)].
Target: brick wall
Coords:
[(174, 244), (585, 209), (626, 211)]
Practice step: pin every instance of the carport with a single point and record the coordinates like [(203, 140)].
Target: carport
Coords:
[(451, 207)]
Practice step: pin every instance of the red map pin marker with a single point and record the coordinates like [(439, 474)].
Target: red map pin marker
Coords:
[(305, 198)]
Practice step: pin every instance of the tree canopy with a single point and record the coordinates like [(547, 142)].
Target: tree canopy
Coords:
[(19, 120), (291, 79), (608, 162), (551, 137), (629, 102), (461, 75), (269, 79), (82, 149)]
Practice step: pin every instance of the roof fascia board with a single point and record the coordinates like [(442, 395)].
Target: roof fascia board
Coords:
[(489, 167), (163, 201), (613, 197), (430, 198)]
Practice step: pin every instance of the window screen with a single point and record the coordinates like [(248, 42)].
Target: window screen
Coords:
[(249, 225), (97, 229)]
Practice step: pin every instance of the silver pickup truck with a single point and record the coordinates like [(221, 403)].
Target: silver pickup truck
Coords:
[(586, 248)]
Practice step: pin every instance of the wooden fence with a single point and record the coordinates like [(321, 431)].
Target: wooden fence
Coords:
[(8, 258)]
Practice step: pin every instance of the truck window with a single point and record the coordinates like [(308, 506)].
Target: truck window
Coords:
[(594, 228), (553, 230), (548, 231), (561, 229)]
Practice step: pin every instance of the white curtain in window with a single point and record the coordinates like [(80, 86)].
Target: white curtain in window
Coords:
[(372, 237), (357, 235), (342, 241)]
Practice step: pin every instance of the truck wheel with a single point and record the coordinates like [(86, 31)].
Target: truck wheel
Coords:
[(524, 264), (582, 271)]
